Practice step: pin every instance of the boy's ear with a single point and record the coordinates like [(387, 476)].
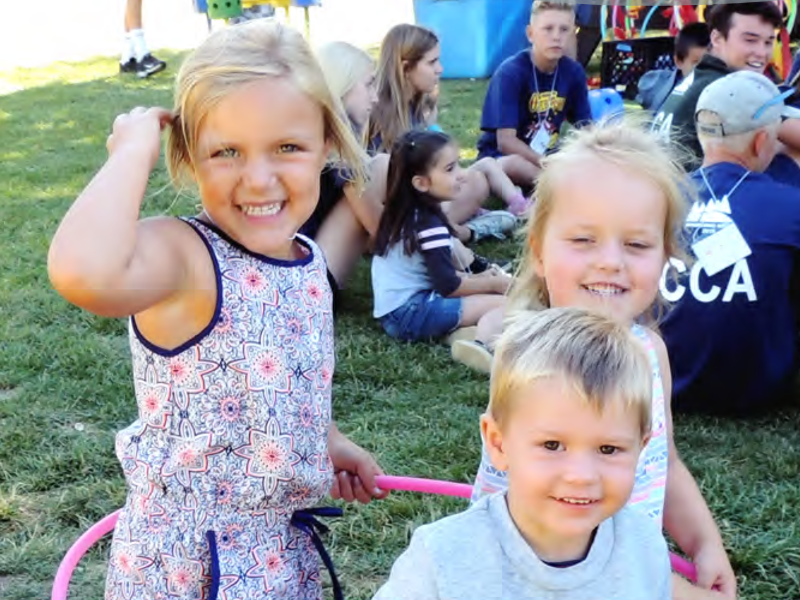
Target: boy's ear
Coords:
[(716, 38), (421, 183), (529, 32), (493, 440)]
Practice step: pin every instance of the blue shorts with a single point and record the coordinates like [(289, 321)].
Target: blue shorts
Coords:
[(424, 316)]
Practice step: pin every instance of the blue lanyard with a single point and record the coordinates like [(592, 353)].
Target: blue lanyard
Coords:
[(552, 89)]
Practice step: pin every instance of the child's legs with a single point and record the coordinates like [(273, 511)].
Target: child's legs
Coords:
[(477, 307), (490, 325), (343, 240), (500, 184), (519, 170), (425, 316), (133, 15)]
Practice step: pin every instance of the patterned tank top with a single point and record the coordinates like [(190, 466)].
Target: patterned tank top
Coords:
[(651, 471), (231, 438)]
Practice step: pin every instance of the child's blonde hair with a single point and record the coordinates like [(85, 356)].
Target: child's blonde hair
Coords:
[(601, 359), (344, 65), (539, 7), (402, 48), (625, 143), (233, 57)]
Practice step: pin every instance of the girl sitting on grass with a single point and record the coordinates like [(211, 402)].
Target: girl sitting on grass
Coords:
[(423, 289)]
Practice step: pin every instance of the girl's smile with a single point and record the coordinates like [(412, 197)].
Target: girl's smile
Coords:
[(261, 151), (603, 247)]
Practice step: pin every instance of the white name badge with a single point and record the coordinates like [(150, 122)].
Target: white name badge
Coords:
[(541, 141), (721, 249)]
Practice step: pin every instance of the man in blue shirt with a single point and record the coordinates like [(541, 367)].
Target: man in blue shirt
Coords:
[(731, 334), (532, 93)]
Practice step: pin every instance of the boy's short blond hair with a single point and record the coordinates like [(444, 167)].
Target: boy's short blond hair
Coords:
[(539, 7), (600, 358)]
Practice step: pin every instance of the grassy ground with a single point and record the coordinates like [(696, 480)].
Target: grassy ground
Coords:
[(65, 381)]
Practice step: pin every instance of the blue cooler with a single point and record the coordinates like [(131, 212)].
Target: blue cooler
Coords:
[(475, 35)]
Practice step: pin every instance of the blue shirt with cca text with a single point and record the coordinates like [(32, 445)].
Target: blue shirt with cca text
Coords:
[(523, 98), (731, 337)]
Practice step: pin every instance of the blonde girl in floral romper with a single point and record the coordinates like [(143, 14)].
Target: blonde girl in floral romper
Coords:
[(231, 329)]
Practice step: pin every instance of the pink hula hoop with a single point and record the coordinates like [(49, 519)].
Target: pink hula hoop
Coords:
[(76, 552), (387, 482), (462, 490)]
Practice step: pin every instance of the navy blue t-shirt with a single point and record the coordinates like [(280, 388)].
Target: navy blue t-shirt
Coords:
[(731, 336), (784, 169), (522, 97)]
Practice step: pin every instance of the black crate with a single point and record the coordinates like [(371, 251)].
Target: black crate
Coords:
[(625, 61)]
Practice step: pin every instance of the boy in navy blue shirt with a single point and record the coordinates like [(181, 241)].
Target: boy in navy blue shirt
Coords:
[(731, 333), (532, 93)]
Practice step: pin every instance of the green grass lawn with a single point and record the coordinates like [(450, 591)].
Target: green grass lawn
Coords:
[(65, 384)]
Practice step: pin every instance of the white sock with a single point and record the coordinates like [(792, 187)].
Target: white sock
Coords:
[(138, 44), (127, 49)]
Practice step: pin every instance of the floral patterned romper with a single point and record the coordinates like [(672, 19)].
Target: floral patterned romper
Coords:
[(231, 439)]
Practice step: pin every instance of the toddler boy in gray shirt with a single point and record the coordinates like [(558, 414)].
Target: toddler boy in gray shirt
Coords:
[(569, 413)]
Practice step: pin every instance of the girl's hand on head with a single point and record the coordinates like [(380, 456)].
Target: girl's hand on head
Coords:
[(139, 131)]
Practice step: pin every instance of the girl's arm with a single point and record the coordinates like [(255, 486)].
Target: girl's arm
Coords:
[(493, 281), (687, 517), (102, 258)]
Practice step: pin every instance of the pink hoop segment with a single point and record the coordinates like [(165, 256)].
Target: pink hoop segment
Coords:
[(387, 482), (76, 552), (683, 567), (424, 486), (462, 490)]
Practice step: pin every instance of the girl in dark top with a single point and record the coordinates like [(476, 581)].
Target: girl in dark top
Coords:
[(421, 289)]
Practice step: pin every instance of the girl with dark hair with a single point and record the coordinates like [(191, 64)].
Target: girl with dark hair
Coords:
[(422, 288)]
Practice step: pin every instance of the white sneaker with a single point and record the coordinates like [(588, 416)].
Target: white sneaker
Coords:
[(474, 354), (462, 333), (496, 223)]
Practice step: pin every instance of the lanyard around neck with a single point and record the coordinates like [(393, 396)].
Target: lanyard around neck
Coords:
[(552, 89), (729, 193)]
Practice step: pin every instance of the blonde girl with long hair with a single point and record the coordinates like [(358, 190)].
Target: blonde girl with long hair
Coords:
[(231, 328)]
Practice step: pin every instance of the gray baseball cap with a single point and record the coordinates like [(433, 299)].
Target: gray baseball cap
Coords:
[(740, 102)]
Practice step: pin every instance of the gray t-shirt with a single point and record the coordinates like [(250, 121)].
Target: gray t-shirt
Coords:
[(481, 554)]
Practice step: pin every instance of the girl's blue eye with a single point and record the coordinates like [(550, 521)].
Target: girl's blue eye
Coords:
[(225, 153)]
